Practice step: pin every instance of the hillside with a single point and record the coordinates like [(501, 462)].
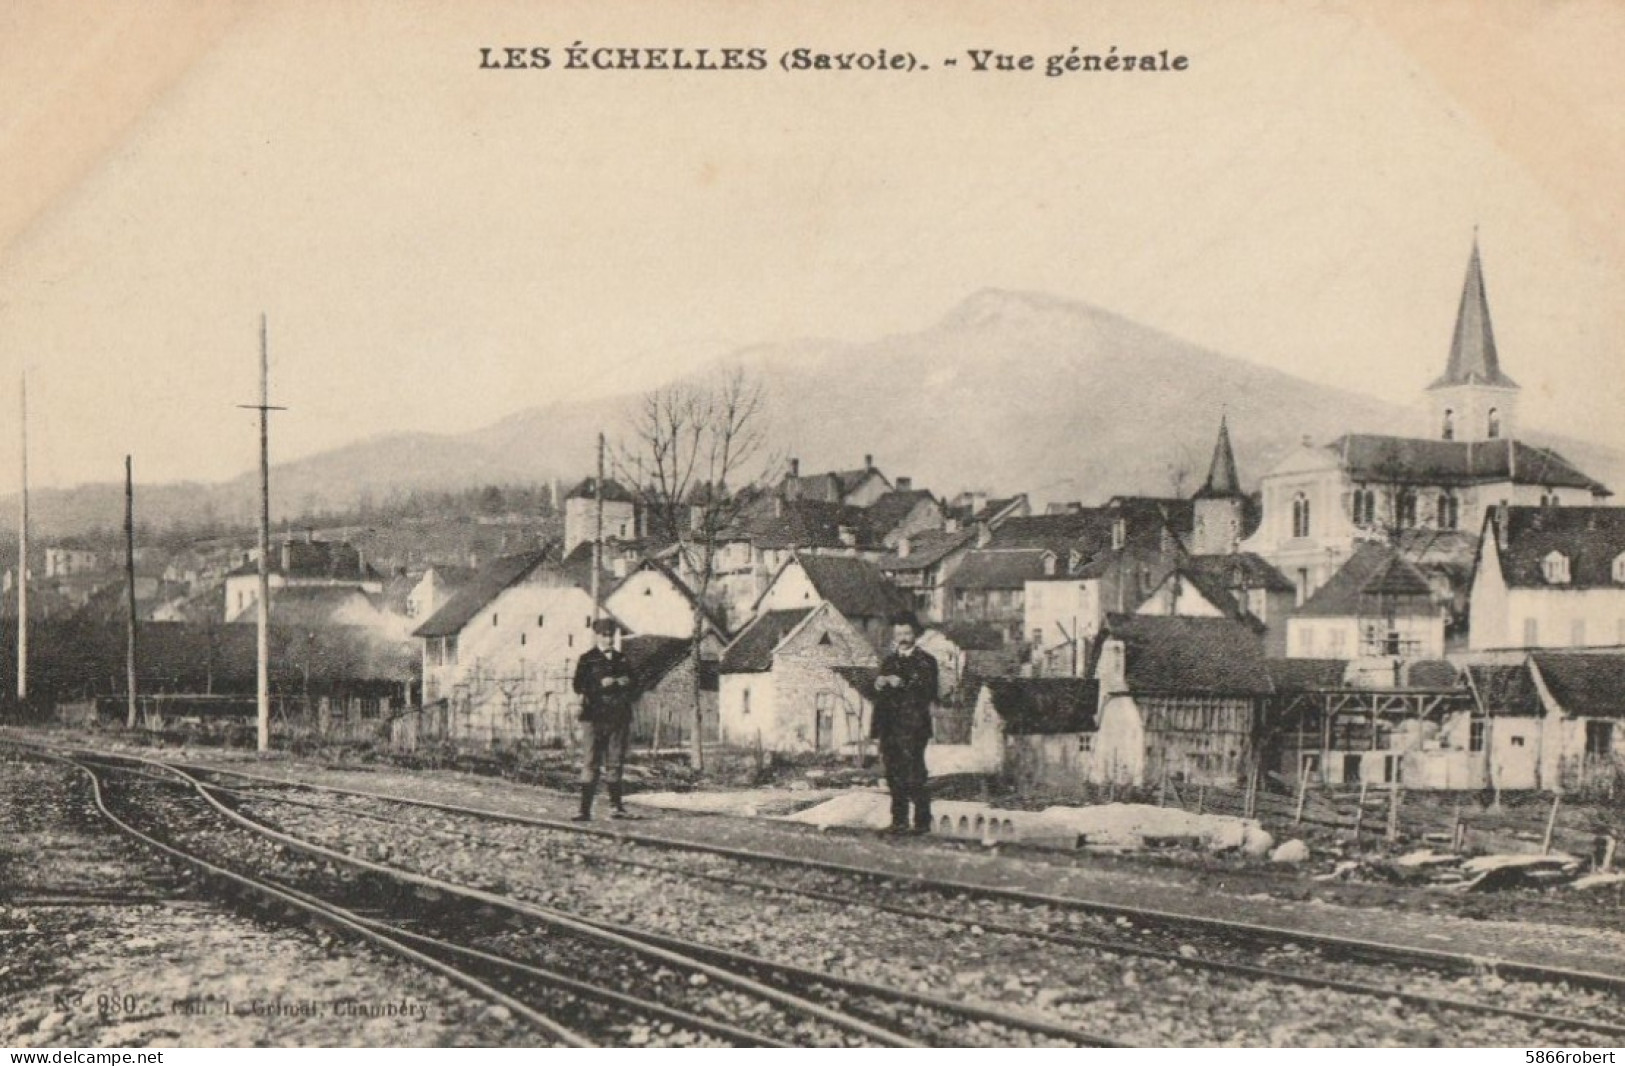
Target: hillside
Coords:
[(1008, 392)]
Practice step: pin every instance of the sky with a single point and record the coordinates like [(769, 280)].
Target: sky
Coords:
[(437, 245)]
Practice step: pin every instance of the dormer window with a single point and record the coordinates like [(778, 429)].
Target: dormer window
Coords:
[(1119, 534), (1049, 564), (1448, 430), (1556, 568), (1619, 569), (1492, 428)]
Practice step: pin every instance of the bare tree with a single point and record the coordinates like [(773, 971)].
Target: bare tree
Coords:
[(696, 455)]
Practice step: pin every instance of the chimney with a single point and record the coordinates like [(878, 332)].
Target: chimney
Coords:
[(951, 524), (848, 535), (795, 467), (905, 484), (904, 546), (619, 567), (1119, 533), (869, 462), (778, 507), (984, 534)]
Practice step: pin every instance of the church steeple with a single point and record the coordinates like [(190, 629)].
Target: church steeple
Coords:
[(1473, 359), (1473, 400), (1220, 507), (1221, 473)]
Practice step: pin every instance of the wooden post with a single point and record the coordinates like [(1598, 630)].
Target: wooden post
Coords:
[(1393, 813), (1456, 828), (22, 562), (1359, 812), (262, 688), (129, 576), (1303, 791), (1201, 798), (1162, 787), (1608, 853), (1551, 824)]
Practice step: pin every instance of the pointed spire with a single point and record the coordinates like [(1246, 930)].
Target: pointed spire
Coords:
[(1221, 474), (1473, 360)]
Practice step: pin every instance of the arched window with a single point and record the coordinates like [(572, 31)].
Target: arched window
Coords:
[(1300, 516), (1448, 431), (1405, 509), (1449, 514), (1493, 428), (1365, 507)]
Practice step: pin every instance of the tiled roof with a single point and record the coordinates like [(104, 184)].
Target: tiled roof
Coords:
[(1591, 538), (752, 650), (1306, 675), (1147, 514), (1584, 685), (861, 678), (314, 560), (774, 522), (1505, 689), (854, 587), (490, 582), (1190, 656), (1045, 705), (297, 606), (1374, 580), (1413, 460), (926, 549), (651, 657), (1090, 530), (587, 489), (1241, 570), (972, 636), (1000, 569), (890, 510), (651, 563)]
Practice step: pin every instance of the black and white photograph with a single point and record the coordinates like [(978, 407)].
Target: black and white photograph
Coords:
[(812, 525)]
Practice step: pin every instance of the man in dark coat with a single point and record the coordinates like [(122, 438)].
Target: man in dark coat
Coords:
[(607, 689), (904, 693)]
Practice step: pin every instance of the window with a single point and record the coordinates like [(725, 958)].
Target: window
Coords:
[(1556, 568), (493, 618), (744, 701), (1549, 498), (1365, 507), (1599, 738), (522, 637), (1300, 516), (1449, 513), (1475, 736), (1086, 742), (1405, 509), (1531, 633), (1517, 742), (1038, 638), (1306, 642), (1493, 427), (1448, 430), (1303, 585), (540, 619), (1334, 644), (1619, 568)]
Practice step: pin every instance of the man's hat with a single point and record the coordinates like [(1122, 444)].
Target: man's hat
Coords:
[(906, 618), (606, 627)]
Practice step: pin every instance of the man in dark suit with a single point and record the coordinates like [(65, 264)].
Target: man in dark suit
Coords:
[(904, 692), (607, 689)]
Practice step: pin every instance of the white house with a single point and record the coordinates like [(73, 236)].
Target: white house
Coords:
[(653, 601), (1549, 577), (581, 513), (503, 650), (1376, 606), (787, 684), (307, 563)]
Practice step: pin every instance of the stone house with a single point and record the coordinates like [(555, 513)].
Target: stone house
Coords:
[(856, 588), (581, 513), (781, 686), (1038, 731), (664, 669)]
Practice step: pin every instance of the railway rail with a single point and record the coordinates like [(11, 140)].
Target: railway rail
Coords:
[(834, 882), (794, 1005)]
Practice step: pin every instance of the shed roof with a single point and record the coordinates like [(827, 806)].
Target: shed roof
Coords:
[(1033, 706), (1584, 685), (752, 650)]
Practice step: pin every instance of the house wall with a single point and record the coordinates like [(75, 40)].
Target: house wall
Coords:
[(1120, 753), (650, 605), (925, 515), (1061, 613), (791, 590), (581, 521), (1561, 618), (1187, 602), (1315, 637), (525, 641), (1515, 746), (671, 702), (747, 711)]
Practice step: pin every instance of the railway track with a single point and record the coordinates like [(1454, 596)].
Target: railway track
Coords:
[(538, 962), (835, 884)]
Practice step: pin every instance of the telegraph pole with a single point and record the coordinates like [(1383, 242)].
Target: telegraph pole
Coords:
[(263, 688), (22, 564), (129, 576), (598, 532)]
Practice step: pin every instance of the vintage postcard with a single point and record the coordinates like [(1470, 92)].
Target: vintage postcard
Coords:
[(811, 525)]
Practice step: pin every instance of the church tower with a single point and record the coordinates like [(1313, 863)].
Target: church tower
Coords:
[(1219, 503), (1473, 400)]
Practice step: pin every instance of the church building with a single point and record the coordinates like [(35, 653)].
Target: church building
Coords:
[(1322, 501)]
